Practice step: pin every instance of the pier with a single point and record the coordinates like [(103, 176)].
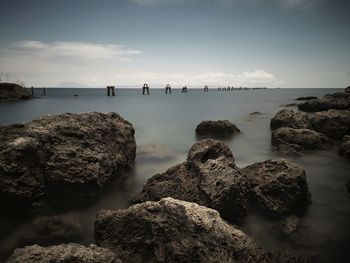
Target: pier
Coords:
[(145, 89), (167, 88), (206, 89), (184, 90), (109, 89)]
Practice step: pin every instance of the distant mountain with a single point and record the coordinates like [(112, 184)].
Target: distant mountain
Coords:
[(71, 85)]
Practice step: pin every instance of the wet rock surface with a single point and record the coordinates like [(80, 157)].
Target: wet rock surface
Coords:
[(289, 118), (339, 101), (11, 91), (64, 155), (64, 253), (279, 187), (171, 230), (216, 129)]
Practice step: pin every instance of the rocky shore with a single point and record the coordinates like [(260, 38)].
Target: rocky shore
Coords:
[(12, 91)]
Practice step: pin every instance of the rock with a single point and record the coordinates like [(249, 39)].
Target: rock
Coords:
[(289, 105), (289, 225), (64, 253), (209, 177), (11, 91), (345, 146), (347, 90), (332, 123), (154, 152), (338, 101), (65, 155), (291, 141), (171, 230), (216, 129), (278, 186), (289, 118), (348, 186), (255, 113), (306, 98)]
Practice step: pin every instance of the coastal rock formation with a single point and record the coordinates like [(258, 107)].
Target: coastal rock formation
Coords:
[(171, 230), (209, 177), (339, 101), (278, 186), (345, 146), (64, 253), (289, 118), (65, 155), (11, 91), (306, 98), (216, 129), (291, 141), (333, 123)]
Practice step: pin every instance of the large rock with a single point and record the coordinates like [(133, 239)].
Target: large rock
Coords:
[(291, 141), (289, 118), (11, 91), (339, 101), (333, 123), (171, 230), (64, 253), (62, 155), (345, 146), (278, 186), (209, 177), (216, 129)]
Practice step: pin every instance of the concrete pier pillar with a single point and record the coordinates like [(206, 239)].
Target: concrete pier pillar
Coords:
[(206, 89), (145, 89), (184, 90), (167, 88)]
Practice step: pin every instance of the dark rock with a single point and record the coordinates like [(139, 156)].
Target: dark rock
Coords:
[(291, 141), (209, 177), (307, 98), (171, 230), (338, 101), (64, 155), (216, 129), (289, 225), (347, 90), (11, 91), (278, 186), (289, 118), (333, 123), (348, 186), (255, 113), (64, 253), (290, 105), (345, 146)]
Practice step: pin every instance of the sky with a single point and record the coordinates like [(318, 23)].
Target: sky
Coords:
[(255, 43)]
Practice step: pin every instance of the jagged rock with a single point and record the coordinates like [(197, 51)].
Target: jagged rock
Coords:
[(65, 155), (209, 177), (333, 123), (289, 118), (278, 186), (171, 230), (345, 146), (64, 253), (216, 129), (306, 98), (291, 141), (339, 101), (11, 91)]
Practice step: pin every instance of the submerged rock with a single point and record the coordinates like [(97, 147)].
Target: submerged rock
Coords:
[(64, 253), (345, 146), (333, 123), (11, 91), (306, 98), (216, 129), (291, 141), (209, 177), (278, 186), (171, 230), (154, 152), (289, 118), (339, 101), (255, 113), (64, 155)]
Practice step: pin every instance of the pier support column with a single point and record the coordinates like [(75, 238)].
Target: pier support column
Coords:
[(167, 88), (109, 90), (206, 89), (44, 91), (32, 89), (145, 89), (184, 90)]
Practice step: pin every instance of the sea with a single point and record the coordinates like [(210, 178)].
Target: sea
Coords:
[(169, 121)]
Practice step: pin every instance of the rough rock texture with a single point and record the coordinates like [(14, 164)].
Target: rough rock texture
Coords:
[(291, 141), (62, 155), (333, 123), (216, 129), (306, 98), (278, 186), (65, 253), (289, 118), (339, 101), (209, 177), (171, 230), (11, 91), (345, 146)]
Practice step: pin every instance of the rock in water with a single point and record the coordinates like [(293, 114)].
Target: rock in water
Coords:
[(289, 118), (278, 186), (64, 253), (347, 90), (291, 141), (171, 230), (345, 146), (11, 91), (216, 129), (209, 177), (62, 155), (339, 101), (306, 98), (333, 123)]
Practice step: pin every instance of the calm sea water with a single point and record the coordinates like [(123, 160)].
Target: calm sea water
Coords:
[(170, 121)]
